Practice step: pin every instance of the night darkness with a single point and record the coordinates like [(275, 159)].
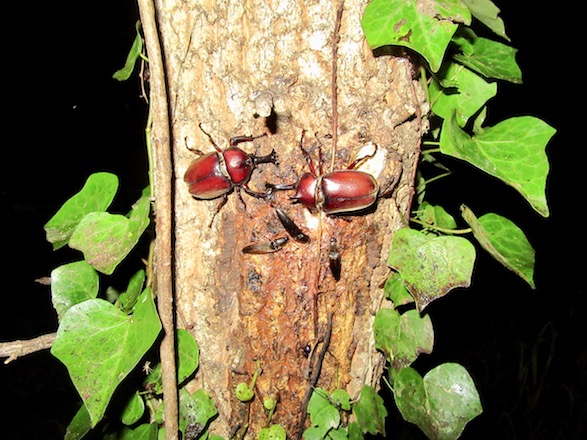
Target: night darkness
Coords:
[(65, 118)]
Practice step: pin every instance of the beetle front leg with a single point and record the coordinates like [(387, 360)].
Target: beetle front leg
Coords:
[(218, 208)]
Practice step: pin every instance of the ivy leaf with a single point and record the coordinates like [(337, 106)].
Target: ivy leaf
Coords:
[(128, 299), (133, 410), (470, 92), (370, 411), (489, 58), (431, 266), (504, 241), (441, 403), (79, 426), (323, 415), (106, 239), (132, 57), (188, 357), (195, 411), (487, 13), (436, 215), (396, 291), (146, 431), (425, 26), (72, 284), (95, 196), (403, 337), (513, 151), (100, 345)]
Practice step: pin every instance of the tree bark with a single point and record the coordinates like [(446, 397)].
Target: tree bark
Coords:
[(226, 64)]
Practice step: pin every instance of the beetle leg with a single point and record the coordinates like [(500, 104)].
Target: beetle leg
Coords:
[(270, 158), (234, 141), (218, 208), (210, 138)]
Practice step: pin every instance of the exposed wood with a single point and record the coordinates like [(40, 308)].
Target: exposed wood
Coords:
[(225, 63)]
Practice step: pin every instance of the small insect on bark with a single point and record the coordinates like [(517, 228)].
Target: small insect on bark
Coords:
[(267, 247)]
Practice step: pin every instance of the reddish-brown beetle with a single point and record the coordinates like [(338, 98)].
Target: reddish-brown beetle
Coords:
[(217, 174)]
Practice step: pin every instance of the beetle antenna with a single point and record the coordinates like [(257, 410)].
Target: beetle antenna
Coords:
[(333, 81)]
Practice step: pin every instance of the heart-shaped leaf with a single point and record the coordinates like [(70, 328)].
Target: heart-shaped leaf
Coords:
[(431, 266), (504, 241), (72, 284), (100, 346), (106, 239), (441, 403)]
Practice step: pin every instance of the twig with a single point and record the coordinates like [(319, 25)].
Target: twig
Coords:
[(162, 190), (15, 349), (333, 82), (316, 368)]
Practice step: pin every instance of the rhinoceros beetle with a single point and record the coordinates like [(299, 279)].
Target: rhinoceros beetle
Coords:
[(336, 192), (218, 173)]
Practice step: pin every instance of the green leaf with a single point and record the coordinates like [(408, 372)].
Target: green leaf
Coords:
[(436, 215), (370, 411), (106, 239), (504, 241), (513, 151), (354, 431), (72, 284), (424, 26), (188, 357), (431, 266), (128, 299), (132, 57), (489, 58), (341, 399), (100, 345), (195, 411), (142, 432), (467, 94), (487, 13), (274, 432), (403, 337), (441, 403), (133, 410), (396, 291), (95, 196), (323, 414), (79, 426)]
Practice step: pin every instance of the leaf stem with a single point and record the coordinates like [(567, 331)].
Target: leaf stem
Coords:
[(441, 229)]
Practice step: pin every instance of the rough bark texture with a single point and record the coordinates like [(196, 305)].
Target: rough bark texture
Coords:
[(225, 62)]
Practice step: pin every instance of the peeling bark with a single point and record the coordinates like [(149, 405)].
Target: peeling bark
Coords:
[(226, 64)]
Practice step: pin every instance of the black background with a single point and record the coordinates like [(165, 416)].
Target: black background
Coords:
[(66, 118)]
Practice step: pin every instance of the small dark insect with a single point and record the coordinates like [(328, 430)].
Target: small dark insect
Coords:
[(334, 256), (267, 247), (292, 229)]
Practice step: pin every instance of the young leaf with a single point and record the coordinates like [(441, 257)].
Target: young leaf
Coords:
[(513, 151), (72, 284), (504, 241), (472, 92), (128, 299), (113, 344), (487, 13), (370, 411), (133, 410), (403, 337), (106, 239), (441, 403), (274, 432), (426, 27), (489, 58), (95, 196), (146, 431), (430, 266), (132, 57), (436, 215)]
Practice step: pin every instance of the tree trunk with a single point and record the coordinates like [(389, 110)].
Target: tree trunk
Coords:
[(230, 64)]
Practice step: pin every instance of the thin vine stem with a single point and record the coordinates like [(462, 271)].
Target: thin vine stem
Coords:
[(441, 229)]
